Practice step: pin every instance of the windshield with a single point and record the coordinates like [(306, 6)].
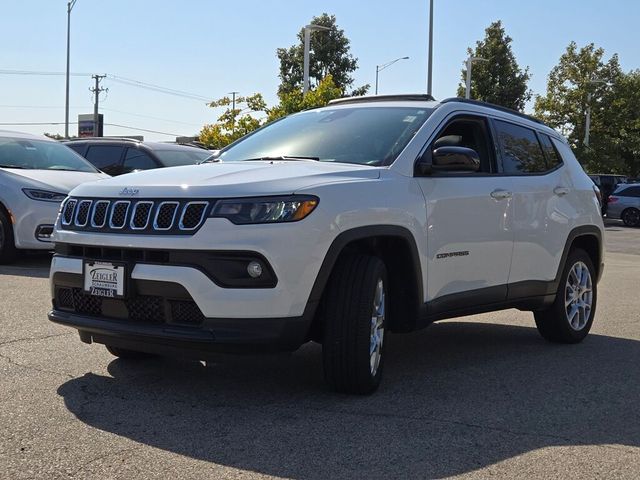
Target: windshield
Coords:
[(40, 155), (364, 135), (176, 157)]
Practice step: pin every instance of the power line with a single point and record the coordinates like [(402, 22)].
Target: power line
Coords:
[(107, 110), (75, 123), (122, 80), (39, 72)]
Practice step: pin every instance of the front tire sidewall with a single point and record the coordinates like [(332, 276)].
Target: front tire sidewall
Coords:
[(553, 323), (348, 310), (7, 245)]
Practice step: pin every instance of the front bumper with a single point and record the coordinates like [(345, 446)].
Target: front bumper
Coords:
[(29, 217), (214, 335)]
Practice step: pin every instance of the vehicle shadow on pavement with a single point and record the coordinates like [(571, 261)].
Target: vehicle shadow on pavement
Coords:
[(456, 397), (35, 265)]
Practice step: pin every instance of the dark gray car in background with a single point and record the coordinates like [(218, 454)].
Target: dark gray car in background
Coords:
[(116, 156), (624, 203)]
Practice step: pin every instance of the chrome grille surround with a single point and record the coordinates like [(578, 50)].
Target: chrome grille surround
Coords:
[(162, 207), (68, 211), (140, 219), (81, 216), (189, 210), (143, 216), (100, 211), (116, 211)]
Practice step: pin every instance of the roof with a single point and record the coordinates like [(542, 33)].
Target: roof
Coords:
[(30, 136), (125, 140), (415, 97)]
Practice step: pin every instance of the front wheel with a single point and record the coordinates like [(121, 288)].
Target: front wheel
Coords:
[(355, 313), (631, 217), (7, 246), (570, 317)]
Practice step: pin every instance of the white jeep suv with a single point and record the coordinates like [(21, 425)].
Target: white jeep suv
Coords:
[(338, 225)]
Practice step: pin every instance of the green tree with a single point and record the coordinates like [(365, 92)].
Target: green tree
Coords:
[(234, 122), (583, 79), (499, 80), (617, 133), (294, 101), (330, 55)]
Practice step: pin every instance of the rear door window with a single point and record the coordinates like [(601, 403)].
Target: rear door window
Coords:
[(629, 192), (553, 157), (137, 159), (521, 150), (105, 157)]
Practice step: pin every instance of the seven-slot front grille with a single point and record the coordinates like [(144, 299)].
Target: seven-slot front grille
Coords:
[(134, 216)]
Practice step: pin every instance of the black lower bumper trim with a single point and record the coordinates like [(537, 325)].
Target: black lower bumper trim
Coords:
[(241, 335)]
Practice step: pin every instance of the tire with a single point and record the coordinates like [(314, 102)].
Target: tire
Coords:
[(355, 309), (631, 217), (126, 354), (570, 317), (8, 250)]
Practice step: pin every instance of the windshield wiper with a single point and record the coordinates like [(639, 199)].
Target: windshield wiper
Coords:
[(286, 157), (12, 166)]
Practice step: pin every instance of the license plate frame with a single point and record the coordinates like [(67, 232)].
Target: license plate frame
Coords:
[(105, 279)]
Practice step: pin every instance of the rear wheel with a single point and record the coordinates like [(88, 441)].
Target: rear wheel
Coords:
[(127, 354), (570, 317), (356, 306), (631, 217), (7, 246)]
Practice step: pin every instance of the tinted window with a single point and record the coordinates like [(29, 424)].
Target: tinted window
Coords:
[(176, 157), (40, 155), (629, 192), (105, 157), (553, 158), (520, 148), (351, 134), (136, 159), (470, 133), (76, 148)]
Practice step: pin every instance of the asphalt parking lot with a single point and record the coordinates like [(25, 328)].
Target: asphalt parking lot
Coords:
[(478, 397)]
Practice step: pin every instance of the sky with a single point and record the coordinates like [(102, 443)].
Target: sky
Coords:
[(208, 48)]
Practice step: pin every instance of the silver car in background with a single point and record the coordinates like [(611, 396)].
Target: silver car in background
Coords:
[(36, 173), (624, 203)]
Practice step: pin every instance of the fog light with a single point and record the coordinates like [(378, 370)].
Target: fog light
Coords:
[(254, 269)]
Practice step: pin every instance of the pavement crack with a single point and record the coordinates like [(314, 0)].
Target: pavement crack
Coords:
[(34, 339), (98, 458), (31, 367)]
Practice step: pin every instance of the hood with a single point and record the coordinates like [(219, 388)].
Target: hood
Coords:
[(61, 181), (230, 179)]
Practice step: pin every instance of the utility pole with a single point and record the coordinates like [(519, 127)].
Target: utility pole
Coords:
[(96, 91), (307, 48), (587, 122), (233, 109), (70, 5), (430, 63), (470, 60)]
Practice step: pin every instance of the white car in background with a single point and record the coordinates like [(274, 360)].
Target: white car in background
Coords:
[(36, 173)]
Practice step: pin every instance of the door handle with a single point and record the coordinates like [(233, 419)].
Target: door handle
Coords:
[(500, 194), (561, 191)]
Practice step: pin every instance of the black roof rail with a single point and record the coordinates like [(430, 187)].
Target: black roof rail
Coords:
[(494, 107), (119, 139), (415, 97)]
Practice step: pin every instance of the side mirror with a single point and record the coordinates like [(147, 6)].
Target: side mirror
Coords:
[(455, 159)]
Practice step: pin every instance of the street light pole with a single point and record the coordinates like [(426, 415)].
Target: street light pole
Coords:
[(379, 68), (587, 123), (430, 62), (307, 47), (470, 60), (70, 5)]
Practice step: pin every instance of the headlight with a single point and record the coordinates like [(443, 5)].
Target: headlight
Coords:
[(245, 211), (44, 195)]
